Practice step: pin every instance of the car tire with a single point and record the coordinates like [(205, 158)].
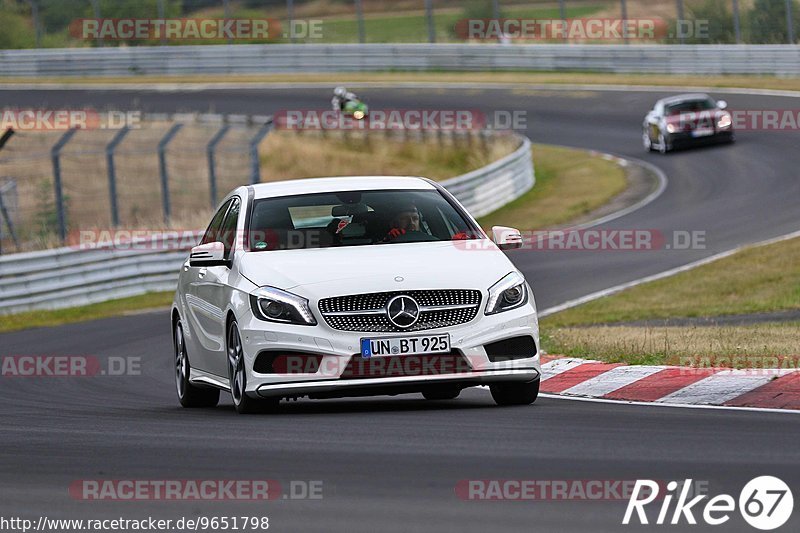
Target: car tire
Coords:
[(188, 394), (441, 393), (237, 376), (515, 393), (662, 144)]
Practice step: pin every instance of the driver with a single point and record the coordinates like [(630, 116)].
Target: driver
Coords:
[(405, 220), (340, 98)]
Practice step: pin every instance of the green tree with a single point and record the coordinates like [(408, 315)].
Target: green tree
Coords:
[(767, 21), (17, 31), (719, 20)]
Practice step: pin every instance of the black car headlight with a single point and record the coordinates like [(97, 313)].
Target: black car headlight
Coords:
[(275, 305), (508, 293)]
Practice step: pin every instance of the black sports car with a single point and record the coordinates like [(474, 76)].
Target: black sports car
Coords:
[(686, 119)]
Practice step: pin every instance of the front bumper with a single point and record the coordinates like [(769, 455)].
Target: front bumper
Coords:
[(680, 139), (337, 348)]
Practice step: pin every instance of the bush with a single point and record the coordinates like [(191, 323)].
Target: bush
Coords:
[(17, 31), (720, 22)]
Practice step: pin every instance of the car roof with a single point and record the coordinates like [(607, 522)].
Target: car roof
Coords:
[(684, 98), (347, 183)]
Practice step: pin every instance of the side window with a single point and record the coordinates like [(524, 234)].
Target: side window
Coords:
[(228, 233), (213, 231)]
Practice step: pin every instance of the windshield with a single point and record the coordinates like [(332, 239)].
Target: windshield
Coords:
[(690, 106), (356, 218)]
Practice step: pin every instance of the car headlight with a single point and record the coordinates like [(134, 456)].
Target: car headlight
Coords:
[(275, 305), (724, 121), (508, 293), (672, 128)]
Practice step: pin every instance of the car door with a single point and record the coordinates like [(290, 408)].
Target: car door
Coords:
[(203, 317), (213, 292)]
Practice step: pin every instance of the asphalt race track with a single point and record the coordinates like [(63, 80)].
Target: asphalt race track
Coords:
[(392, 464)]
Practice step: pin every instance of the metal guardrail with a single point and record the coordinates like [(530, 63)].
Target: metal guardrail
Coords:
[(273, 58), (67, 277)]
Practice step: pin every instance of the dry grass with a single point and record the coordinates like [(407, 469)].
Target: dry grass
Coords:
[(755, 346), (289, 155), (569, 184)]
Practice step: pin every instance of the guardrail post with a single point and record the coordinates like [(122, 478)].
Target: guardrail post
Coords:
[(255, 164), (789, 21), (162, 168), (212, 172), (112, 174), (429, 16), (737, 25), (55, 154), (360, 15)]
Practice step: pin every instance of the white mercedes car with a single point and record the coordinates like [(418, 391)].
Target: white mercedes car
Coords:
[(356, 286)]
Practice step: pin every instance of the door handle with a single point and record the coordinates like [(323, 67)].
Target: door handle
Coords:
[(202, 273)]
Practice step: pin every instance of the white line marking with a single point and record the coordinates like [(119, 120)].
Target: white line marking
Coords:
[(614, 379), (721, 387), (558, 366), (654, 404)]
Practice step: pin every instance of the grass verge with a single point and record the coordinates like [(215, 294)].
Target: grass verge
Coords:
[(587, 179), (758, 279), (569, 184), (34, 319), (494, 77)]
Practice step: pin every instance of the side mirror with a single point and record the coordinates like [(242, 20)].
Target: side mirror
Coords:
[(722, 104), (506, 238), (210, 254)]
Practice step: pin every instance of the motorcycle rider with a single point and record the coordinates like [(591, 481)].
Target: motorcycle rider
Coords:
[(340, 98)]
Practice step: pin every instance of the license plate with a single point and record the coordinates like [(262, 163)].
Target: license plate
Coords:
[(702, 132), (420, 345)]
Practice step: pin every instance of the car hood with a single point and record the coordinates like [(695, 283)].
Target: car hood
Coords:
[(324, 272)]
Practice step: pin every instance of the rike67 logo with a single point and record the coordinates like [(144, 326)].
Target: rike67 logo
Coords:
[(765, 503)]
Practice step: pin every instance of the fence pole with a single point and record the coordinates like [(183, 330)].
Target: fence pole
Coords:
[(496, 9), (226, 8), (97, 15), (37, 28), (55, 154), (112, 173), (255, 164), (162, 169), (624, 7), (9, 223), (429, 17), (681, 36), (161, 15), (362, 37), (212, 172), (737, 25), (789, 21), (290, 18), (5, 137), (562, 12)]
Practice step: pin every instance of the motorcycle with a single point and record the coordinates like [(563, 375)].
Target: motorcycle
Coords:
[(356, 109)]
